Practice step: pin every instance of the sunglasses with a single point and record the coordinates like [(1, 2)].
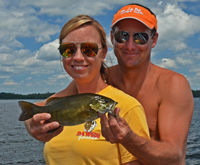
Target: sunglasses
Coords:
[(139, 37), (89, 49)]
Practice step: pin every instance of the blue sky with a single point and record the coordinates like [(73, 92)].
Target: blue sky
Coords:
[(29, 30)]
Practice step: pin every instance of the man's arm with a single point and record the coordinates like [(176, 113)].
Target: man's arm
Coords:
[(39, 127), (174, 118)]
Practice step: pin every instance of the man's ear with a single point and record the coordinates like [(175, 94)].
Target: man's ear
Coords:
[(155, 39)]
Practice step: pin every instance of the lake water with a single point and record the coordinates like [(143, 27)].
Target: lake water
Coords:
[(17, 147)]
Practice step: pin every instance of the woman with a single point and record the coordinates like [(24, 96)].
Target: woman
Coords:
[(83, 47)]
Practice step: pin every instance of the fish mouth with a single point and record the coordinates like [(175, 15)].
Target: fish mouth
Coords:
[(112, 108)]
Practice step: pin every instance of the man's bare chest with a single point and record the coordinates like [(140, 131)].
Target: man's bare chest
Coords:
[(150, 103)]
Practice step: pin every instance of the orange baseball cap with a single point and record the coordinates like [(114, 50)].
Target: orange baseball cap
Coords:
[(137, 12)]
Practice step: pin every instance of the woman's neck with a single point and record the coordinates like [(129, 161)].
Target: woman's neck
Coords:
[(91, 87)]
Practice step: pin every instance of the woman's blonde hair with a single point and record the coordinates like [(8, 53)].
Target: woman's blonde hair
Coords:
[(79, 21), (85, 20)]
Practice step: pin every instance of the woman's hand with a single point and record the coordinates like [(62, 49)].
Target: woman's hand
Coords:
[(42, 130)]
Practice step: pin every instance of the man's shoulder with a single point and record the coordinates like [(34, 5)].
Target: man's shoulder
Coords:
[(170, 80), (167, 75), (112, 71), (162, 74), (112, 68)]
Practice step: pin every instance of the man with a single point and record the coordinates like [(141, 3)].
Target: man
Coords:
[(165, 95)]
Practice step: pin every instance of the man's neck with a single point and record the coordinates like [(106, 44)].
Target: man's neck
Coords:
[(130, 80), (136, 75)]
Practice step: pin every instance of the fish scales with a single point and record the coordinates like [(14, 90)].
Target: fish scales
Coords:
[(70, 110)]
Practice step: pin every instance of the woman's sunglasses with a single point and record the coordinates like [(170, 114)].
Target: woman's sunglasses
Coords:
[(139, 38), (89, 49)]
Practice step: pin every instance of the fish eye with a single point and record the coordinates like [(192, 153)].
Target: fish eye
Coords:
[(106, 100)]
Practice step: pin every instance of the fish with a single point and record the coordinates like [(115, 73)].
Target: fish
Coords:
[(70, 110)]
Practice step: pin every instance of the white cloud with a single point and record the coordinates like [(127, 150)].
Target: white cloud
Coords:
[(29, 78), (195, 80), (23, 22), (111, 58), (49, 51), (197, 56), (189, 59), (198, 74), (174, 26), (55, 79), (196, 70), (167, 63), (43, 39), (4, 77), (108, 40), (160, 3), (5, 70), (10, 83), (68, 8), (43, 62), (61, 76), (5, 49), (184, 61)]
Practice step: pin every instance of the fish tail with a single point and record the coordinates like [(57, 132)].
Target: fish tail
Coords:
[(27, 110)]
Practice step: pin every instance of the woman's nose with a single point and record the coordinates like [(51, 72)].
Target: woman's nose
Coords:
[(78, 54)]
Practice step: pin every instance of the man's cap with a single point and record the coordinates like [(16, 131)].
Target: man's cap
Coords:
[(137, 12)]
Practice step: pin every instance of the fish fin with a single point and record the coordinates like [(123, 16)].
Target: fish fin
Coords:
[(27, 111), (87, 125), (51, 100)]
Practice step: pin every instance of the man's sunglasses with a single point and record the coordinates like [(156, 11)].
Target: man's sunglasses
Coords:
[(89, 49), (139, 38)]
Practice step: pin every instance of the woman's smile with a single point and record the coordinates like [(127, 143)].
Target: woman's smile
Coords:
[(79, 67)]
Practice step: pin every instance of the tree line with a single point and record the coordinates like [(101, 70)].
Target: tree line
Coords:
[(3, 95), (196, 93)]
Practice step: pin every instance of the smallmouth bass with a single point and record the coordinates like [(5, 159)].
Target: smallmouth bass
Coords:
[(70, 110)]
